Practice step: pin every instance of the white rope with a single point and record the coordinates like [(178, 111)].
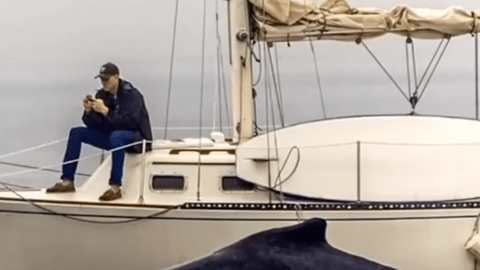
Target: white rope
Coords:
[(32, 148), (45, 167), (64, 163)]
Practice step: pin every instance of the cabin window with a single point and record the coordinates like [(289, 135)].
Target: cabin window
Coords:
[(234, 183), (168, 182)]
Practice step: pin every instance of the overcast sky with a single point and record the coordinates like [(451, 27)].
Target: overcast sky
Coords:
[(38, 37), (50, 50)]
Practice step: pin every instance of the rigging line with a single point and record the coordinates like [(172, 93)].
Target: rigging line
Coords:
[(259, 47), (201, 98), (44, 168), (222, 69), (32, 148), (217, 94), (253, 52), (171, 68), (385, 70), (269, 90), (434, 68), (476, 76), (283, 167), (429, 65), (414, 64), (255, 116), (318, 77), (64, 163), (219, 48), (267, 122), (38, 168), (423, 144), (280, 105), (408, 68), (278, 75), (185, 128), (222, 72), (217, 97), (259, 64), (304, 147), (22, 187)]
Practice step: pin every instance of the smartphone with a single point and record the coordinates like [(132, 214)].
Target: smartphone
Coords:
[(90, 98)]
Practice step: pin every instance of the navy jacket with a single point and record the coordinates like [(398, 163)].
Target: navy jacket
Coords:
[(126, 112)]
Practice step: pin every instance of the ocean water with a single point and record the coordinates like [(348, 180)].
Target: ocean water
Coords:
[(48, 68)]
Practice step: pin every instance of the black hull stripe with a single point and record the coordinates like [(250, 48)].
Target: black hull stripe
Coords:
[(360, 206), (238, 219)]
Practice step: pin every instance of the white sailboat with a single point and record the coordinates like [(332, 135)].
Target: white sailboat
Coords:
[(399, 190)]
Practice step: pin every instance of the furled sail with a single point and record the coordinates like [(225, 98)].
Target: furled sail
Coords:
[(289, 20)]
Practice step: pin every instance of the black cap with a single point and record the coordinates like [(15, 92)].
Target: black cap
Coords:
[(107, 70)]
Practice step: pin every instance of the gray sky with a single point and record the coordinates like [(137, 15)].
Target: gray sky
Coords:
[(51, 50), (70, 38)]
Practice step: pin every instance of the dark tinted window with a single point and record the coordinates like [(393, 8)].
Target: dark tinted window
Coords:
[(168, 182), (233, 183)]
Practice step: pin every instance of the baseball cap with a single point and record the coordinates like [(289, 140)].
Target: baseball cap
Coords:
[(107, 70)]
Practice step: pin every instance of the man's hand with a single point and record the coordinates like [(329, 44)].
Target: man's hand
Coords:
[(99, 106), (87, 105)]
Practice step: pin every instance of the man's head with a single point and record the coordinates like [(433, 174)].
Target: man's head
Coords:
[(110, 77)]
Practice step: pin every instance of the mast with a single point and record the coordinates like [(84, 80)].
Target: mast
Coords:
[(241, 74)]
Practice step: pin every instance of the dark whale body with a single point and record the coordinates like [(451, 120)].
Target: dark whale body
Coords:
[(298, 247)]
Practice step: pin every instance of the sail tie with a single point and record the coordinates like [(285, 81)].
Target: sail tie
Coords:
[(324, 24), (474, 26)]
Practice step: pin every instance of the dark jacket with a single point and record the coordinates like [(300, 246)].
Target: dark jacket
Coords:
[(126, 112)]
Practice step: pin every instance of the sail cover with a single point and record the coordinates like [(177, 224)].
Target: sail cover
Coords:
[(289, 20)]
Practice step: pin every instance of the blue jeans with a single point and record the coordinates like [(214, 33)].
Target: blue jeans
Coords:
[(79, 135)]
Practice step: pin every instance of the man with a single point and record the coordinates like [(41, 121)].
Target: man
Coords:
[(116, 117)]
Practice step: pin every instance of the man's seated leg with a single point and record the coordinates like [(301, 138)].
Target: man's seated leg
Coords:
[(76, 137), (117, 139)]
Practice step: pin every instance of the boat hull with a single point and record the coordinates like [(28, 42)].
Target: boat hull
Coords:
[(151, 237)]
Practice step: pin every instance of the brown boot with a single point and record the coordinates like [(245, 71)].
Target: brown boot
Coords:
[(111, 195), (60, 187)]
